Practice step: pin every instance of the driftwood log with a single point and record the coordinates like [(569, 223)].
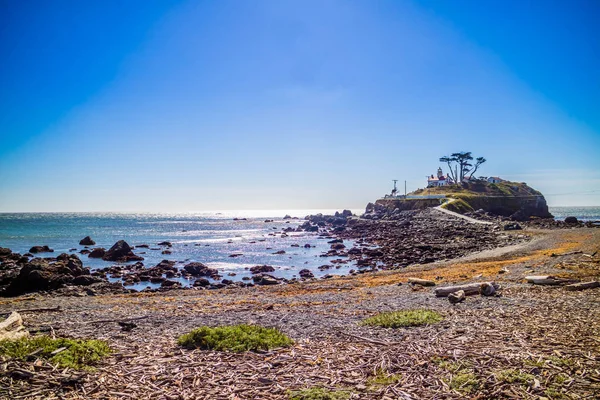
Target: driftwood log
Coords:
[(457, 297), (422, 282), (548, 280), (12, 327), (582, 286), (485, 288)]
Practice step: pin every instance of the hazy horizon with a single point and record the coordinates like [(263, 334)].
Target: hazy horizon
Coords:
[(173, 106)]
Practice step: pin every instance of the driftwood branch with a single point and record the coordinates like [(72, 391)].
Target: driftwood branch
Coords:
[(51, 309), (582, 286), (105, 321), (485, 288), (548, 280), (422, 282)]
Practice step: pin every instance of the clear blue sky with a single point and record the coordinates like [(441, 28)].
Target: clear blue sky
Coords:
[(204, 105)]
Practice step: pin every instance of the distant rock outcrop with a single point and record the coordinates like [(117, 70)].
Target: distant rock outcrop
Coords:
[(87, 241), (40, 249)]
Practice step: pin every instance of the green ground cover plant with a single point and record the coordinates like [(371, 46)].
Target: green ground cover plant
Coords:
[(405, 318), (78, 354), (235, 338), (319, 394)]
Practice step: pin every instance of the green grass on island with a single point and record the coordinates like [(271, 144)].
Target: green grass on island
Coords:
[(77, 353), (399, 319), (235, 338), (319, 394)]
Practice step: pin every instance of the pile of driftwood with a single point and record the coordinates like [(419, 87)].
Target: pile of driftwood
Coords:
[(459, 293)]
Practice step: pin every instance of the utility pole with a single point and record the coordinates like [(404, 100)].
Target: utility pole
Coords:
[(395, 190), (405, 189)]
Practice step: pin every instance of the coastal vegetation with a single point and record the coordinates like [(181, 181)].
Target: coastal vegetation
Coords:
[(405, 318), (234, 338), (80, 354)]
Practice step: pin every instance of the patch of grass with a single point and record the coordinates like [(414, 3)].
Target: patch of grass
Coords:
[(464, 382), (561, 362), (236, 338), (561, 378), (514, 376), (451, 366), (555, 394), (384, 378), (459, 206), (79, 353), (398, 319), (319, 394)]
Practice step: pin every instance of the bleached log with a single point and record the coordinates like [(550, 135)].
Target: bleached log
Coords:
[(548, 280), (12, 327), (422, 282), (457, 297), (582, 286), (469, 289)]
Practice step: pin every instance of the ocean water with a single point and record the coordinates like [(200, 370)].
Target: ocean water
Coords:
[(209, 237), (582, 213)]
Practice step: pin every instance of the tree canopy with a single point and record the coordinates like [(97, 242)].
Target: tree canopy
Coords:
[(460, 165)]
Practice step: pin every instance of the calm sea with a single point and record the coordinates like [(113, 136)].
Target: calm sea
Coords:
[(207, 237), (582, 213)]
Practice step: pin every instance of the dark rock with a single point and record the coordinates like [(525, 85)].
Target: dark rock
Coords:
[(280, 252), (305, 273), (512, 227), (265, 280), (261, 269), (121, 252), (98, 252), (201, 282), (40, 249), (571, 220), (168, 244), (199, 269), (86, 280), (170, 284), (87, 241), (338, 246)]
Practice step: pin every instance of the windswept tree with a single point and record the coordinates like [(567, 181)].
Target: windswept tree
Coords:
[(460, 165)]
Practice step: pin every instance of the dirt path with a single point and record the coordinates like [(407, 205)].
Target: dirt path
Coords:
[(457, 215), (529, 343)]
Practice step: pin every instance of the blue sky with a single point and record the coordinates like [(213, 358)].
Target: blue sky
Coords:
[(204, 105)]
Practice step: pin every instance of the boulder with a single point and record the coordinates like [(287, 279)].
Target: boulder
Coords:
[(305, 273), (202, 282), (512, 227), (121, 252), (265, 280), (87, 241), (96, 253), (199, 269), (571, 220), (259, 269), (40, 249)]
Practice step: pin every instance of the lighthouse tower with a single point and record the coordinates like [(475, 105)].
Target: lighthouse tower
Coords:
[(440, 174)]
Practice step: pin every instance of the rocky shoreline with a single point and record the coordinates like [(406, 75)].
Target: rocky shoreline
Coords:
[(409, 237)]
